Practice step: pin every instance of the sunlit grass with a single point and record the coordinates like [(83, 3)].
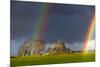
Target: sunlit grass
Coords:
[(53, 59)]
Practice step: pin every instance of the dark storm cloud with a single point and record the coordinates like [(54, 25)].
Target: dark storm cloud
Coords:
[(24, 9), (66, 22), (67, 28), (22, 18), (72, 9)]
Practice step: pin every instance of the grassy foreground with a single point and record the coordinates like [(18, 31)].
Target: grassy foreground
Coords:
[(53, 59)]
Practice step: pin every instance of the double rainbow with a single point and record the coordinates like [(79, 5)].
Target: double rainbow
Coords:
[(40, 27)]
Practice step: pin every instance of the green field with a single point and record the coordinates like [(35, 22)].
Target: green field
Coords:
[(53, 59)]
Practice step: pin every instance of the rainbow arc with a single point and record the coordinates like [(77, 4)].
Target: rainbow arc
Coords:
[(89, 34)]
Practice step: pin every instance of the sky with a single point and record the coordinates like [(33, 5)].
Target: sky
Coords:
[(66, 22)]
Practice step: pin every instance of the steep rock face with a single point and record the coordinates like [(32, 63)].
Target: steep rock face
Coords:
[(24, 48), (37, 47), (57, 47), (21, 50), (31, 47)]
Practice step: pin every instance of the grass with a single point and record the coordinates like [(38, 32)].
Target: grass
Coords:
[(53, 59)]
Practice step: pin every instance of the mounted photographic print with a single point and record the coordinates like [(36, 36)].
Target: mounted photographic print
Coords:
[(51, 33)]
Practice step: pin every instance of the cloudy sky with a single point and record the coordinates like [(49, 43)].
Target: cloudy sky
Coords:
[(65, 22)]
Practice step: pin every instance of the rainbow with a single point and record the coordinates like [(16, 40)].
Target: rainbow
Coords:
[(40, 27), (40, 23), (89, 34)]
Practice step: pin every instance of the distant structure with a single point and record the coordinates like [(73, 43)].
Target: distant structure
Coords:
[(68, 50)]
